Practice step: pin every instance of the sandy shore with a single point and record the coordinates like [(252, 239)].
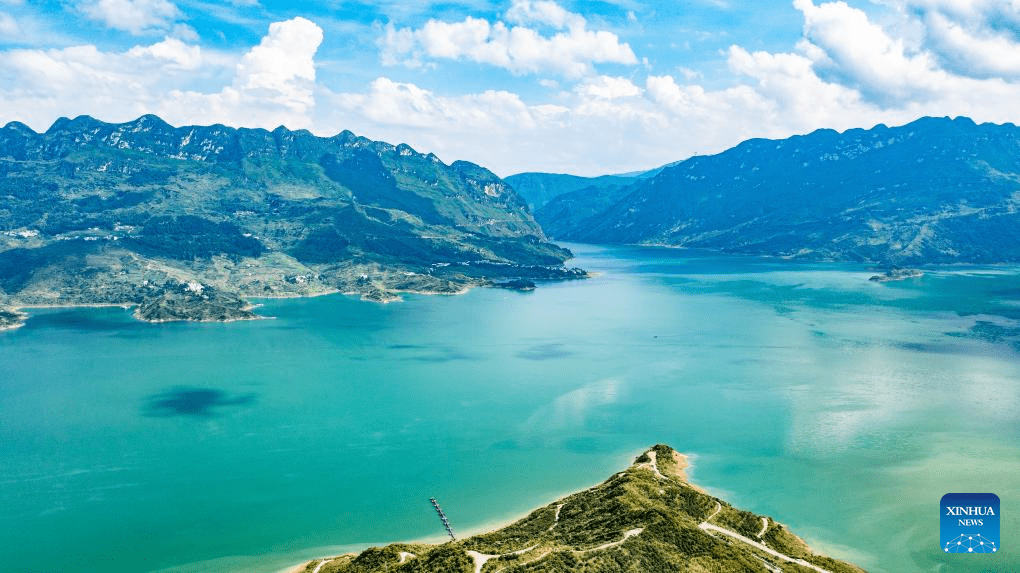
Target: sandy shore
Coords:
[(298, 568)]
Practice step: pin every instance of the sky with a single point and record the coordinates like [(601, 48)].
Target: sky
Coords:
[(586, 87)]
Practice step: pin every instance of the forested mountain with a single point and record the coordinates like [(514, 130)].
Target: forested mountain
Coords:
[(187, 222), (937, 190)]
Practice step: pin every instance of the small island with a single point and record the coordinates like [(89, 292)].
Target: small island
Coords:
[(10, 319), (520, 285), (645, 518), (896, 275)]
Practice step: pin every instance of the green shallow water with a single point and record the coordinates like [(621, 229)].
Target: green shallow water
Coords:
[(841, 407)]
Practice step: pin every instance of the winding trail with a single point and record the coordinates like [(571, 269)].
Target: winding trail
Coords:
[(321, 563), (481, 559), (709, 527), (556, 519), (626, 535), (653, 464), (718, 508), (706, 526), (404, 556)]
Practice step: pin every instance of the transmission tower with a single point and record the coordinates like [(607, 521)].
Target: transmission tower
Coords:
[(442, 516)]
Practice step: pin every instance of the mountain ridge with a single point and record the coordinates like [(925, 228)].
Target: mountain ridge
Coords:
[(102, 213), (934, 191)]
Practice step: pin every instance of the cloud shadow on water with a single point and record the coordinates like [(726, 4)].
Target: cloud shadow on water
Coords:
[(436, 353), (192, 402)]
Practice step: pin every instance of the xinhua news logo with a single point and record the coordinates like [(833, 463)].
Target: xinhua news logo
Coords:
[(969, 523)]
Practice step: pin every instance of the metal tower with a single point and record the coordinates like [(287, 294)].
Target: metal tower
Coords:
[(442, 516)]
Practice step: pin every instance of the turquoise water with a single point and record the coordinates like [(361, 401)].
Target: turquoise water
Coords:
[(841, 407)]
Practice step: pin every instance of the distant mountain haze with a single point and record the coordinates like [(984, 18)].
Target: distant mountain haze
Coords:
[(540, 188)]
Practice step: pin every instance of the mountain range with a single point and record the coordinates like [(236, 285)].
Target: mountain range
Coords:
[(189, 222), (934, 191)]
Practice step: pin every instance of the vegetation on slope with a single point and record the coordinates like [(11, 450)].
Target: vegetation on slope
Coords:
[(937, 190), (92, 212), (647, 518)]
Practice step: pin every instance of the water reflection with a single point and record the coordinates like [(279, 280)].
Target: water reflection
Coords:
[(544, 352)]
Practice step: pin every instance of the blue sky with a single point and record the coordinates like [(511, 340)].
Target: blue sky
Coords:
[(585, 87)]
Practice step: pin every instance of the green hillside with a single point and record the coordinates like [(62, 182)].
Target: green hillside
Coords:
[(934, 191), (647, 518), (189, 222)]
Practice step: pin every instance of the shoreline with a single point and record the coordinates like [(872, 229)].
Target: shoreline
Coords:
[(499, 523), (23, 309)]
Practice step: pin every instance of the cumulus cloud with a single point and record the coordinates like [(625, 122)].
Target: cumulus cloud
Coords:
[(274, 83), (571, 51), (976, 37), (607, 87), (849, 69), (171, 52), (861, 54), (405, 105), (966, 49), (271, 84), (135, 16), (543, 12), (282, 67)]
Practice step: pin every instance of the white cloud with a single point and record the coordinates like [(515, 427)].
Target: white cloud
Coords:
[(406, 105), (282, 66), (274, 83), (184, 32), (543, 12), (974, 37), (861, 54), (848, 70), (135, 16), (172, 52), (570, 52), (270, 85), (967, 49), (9, 26), (787, 86), (608, 87)]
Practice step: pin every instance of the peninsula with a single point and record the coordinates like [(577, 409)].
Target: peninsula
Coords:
[(645, 518)]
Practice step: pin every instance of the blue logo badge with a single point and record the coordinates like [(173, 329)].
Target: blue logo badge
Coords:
[(970, 523)]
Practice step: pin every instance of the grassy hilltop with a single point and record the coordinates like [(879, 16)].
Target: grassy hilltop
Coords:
[(647, 518)]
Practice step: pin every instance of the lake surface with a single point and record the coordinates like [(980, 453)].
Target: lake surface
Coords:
[(841, 407)]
